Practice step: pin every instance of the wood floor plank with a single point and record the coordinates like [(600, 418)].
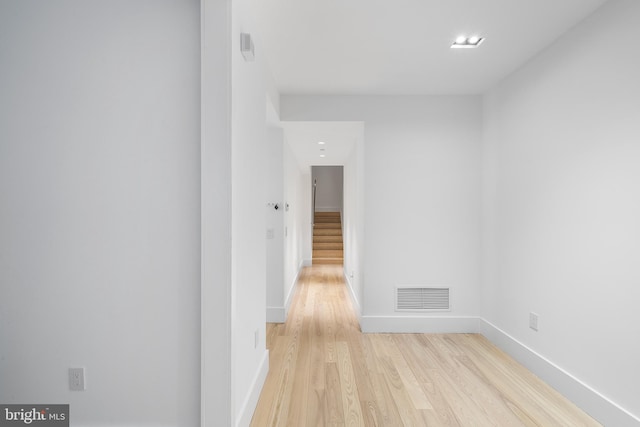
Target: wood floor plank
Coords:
[(350, 398), (360, 371), (411, 384), (324, 372), (316, 408), (385, 402), (300, 385), (442, 411), (408, 413), (334, 409)]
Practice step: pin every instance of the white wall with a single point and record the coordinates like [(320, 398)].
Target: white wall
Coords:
[(274, 182), (562, 202), (421, 199), (329, 183), (100, 211), (249, 83), (353, 222), (215, 217), (297, 184)]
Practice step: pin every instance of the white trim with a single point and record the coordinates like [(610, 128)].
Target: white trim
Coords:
[(589, 400), (276, 315), (292, 289), (279, 314), (251, 401), (419, 324), (354, 299), (289, 300)]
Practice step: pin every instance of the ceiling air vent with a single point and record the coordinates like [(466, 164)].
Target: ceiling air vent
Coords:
[(411, 298)]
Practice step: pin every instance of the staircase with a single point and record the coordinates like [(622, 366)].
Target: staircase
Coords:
[(327, 238)]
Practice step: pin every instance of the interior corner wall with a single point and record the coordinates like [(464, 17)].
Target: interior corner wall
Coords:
[(100, 208), (561, 207), (421, 200)]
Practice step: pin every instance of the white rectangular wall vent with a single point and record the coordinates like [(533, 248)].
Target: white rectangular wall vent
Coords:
[(413, 298)]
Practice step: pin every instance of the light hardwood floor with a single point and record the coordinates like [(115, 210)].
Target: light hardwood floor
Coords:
[(325, 372)]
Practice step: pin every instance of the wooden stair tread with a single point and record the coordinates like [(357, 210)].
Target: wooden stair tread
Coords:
[(327, 232), (327, 245), (327, 225), (328, 253), (320, 261)]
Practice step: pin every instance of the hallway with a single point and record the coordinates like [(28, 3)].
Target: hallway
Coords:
[(324, 371)]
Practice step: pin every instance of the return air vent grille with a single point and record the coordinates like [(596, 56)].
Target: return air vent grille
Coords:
[(422, 299)]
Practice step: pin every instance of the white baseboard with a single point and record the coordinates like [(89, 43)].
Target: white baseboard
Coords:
[(589, 400), (276, 315), (289, 299), (251, 401), (354, 299), (419, 324), (279, 314), (292, 288)]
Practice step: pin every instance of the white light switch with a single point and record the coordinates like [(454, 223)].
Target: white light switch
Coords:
[(270, 233)]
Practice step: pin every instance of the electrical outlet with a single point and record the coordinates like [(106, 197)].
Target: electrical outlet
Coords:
[(76, 379), (533, 321)]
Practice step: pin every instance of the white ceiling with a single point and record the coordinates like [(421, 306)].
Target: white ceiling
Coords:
[(339, 139), (403, 46), (398, 47)]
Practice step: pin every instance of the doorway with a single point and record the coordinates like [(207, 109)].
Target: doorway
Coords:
[(327, 210)]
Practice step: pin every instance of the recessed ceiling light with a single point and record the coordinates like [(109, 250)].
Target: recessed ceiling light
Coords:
[(467, 42), (322, 155), (474, 40), (321, 142)]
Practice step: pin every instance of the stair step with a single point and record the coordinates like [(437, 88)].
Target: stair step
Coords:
[(327, 239), (327, 245), (327, 217), (327, 232), (327, 253), (322, 213), (327, 225), (325, 261), (326, 220)]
